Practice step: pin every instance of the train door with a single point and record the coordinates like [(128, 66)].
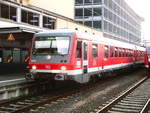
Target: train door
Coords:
[(85, 56)]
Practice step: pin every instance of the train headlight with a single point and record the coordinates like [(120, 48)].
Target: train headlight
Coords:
[(34, 67), (48, 57), (63, 68), (149, 60)]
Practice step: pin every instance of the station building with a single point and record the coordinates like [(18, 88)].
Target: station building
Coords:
[(113, 17), (20, 19)]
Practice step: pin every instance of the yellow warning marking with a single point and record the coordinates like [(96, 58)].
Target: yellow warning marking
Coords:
[(10, 37)]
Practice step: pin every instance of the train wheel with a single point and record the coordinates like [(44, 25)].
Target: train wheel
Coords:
[(94, 78), (100, 75)]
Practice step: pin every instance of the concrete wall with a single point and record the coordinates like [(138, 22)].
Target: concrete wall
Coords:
[(64, 24), (62, 7)]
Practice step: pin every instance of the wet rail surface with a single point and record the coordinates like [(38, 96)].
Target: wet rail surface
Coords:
[(134, 100)]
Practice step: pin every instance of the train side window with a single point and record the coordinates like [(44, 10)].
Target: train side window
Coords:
[(116, 52), (85, 47), (141, 53), (111, 51), (106, 51), (131, 53), (127, 52), (79, 49), (94, 50), (120, 52), (137, 53)]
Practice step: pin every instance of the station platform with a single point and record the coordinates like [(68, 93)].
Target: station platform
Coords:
[(15, 85), (11, 79)]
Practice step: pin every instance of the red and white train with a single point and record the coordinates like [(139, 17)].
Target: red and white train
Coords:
[(78, 56)]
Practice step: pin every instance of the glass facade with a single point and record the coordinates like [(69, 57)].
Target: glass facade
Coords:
[(114, 17)]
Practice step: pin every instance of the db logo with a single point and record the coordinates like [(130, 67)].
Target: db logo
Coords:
[(47, 67)]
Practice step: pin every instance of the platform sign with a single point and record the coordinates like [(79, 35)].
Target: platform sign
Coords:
[(10, 37)]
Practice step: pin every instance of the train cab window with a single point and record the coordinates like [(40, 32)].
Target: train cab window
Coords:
[(79, 49), (111, 51), (94, 50), (106, 51), (116, 52)]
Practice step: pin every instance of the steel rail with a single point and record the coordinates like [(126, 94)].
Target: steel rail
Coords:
[(146, 107), (26, 108), (120, 97)]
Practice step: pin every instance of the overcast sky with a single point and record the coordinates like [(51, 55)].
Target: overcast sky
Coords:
[(142, 8)]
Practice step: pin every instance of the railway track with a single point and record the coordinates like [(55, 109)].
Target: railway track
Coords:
[(134, 100), (23, 105)]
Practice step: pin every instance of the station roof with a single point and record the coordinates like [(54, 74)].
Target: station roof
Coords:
[(8, 27), (16, 30)]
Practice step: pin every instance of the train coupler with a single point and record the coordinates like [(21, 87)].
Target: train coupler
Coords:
[(28, 76)]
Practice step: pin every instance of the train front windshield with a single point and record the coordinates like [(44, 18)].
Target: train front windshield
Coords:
[(53, 45)]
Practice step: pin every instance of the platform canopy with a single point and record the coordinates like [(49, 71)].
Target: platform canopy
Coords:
[(16, 30), (7, 27)]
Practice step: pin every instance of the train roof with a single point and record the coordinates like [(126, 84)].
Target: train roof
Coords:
[(109, 41), (91, 37), (56, 32)]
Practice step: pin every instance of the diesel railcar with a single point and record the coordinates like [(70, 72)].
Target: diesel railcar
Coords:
[(72, 55)]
